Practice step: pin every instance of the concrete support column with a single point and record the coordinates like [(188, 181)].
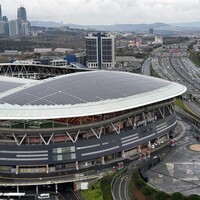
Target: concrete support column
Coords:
[(149, 144), (168, 136), (17, 189), (56, 187), (17, 169), (77, 167), (103, 160), (139, 148), (37, 189), (123, 154)]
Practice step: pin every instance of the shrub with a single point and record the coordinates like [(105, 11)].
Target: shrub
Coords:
[(139, 183), (194, 197), (147, 190), (162, 196), (105, 185), (177, 195)]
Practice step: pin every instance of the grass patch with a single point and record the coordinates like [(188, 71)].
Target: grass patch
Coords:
[(106, 187), (195, 57), (179, 103), (93, 193), (101, 190)]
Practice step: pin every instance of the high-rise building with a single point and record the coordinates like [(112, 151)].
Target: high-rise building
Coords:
[(21, 14), (25, 28), (100, 51), (14, 28), (151, 31), (2, 28), (24, 24), (6, 28), (5, 18), (0, 13)]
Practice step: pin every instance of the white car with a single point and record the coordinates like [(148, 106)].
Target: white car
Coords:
[(44, 196)]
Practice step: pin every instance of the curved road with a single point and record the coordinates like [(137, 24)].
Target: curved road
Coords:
[(146, 67), (120, 187)]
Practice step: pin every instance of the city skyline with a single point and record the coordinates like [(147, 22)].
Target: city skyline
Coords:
[(106, 12)]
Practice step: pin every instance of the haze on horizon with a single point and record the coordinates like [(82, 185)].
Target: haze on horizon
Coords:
[(104, 12)]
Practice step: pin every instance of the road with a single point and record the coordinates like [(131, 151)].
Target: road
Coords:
[(178, 68), (120, 187), (193, 106), (146, 67)]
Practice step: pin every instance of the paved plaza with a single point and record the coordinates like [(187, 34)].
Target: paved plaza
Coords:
[(179, 171)]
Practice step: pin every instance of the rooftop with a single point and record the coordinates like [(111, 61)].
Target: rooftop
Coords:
[(83, 94)]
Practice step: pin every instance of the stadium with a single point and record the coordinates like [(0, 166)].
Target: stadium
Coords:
[(63, 125)]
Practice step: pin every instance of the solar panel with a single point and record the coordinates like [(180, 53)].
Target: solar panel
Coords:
[(5, 86), (62, 98), (84, 87)]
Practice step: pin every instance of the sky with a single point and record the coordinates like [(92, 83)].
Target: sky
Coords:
[(105, 12)]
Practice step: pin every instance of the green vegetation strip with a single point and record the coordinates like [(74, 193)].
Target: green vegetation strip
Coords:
[(179, 103), (195, 57), (100, 190)]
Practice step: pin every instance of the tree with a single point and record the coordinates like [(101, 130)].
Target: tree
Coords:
[(162, 196), (194, 197), (177, 195)]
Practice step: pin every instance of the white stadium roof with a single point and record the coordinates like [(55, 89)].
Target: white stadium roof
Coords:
[(82, 94)]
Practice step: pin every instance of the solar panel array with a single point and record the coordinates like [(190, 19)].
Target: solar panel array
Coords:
[(85, 87), (5, 86)]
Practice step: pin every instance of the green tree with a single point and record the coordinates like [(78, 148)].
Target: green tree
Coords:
[(147, 190), (177, 196), (162, 196), (194, 197)]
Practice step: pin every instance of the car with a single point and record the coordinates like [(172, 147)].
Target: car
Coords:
[(44, 196)]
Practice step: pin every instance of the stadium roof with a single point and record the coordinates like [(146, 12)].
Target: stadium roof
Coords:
[(82, 94)]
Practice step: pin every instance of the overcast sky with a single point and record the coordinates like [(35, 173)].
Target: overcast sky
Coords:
[(106, 11)]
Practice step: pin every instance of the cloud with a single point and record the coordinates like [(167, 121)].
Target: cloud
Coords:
[(106, 11)]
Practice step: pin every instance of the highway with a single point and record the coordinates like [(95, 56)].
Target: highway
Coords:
[(194, 107), (174, 65), (178, 68), (146, 67)]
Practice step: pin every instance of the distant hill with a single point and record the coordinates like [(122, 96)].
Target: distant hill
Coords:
[(115, 27), (47, 24), (120, 27), (188, 24)]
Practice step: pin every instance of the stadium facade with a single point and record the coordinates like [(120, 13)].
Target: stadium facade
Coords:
[(77, 121)]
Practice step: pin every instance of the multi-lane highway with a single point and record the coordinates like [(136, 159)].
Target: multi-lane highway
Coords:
[(194, 107), (177, 67)]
